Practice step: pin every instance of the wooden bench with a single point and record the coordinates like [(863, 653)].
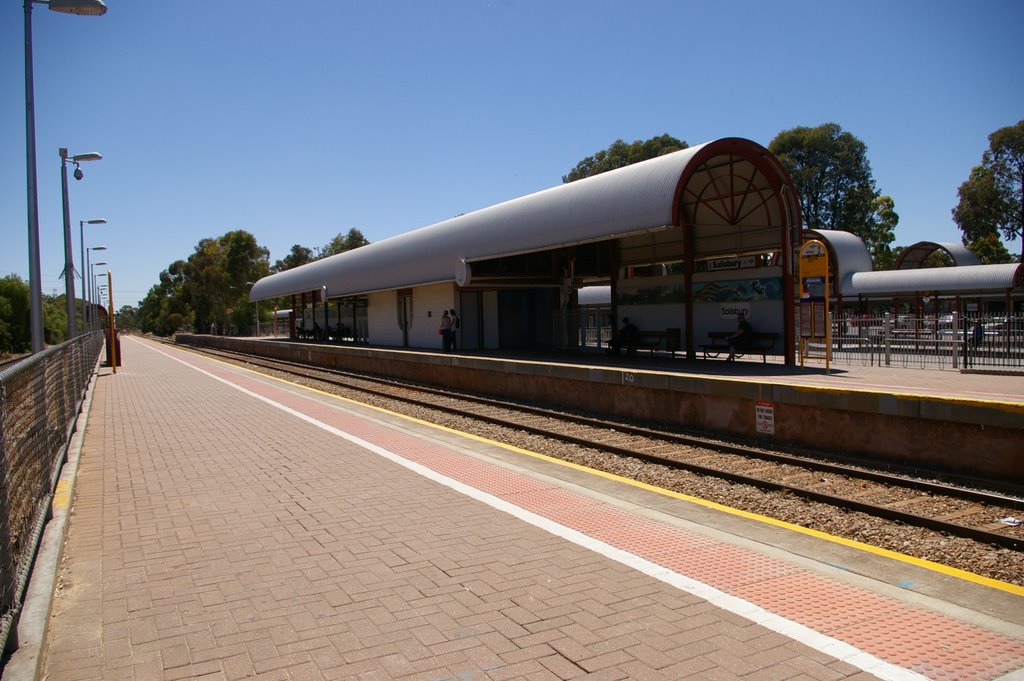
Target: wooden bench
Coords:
[(647, 340), (764, 343), (667, 340)]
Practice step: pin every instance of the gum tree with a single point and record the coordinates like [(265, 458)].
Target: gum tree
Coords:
[(992, 198)]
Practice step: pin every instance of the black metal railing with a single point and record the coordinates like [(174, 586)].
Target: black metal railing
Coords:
[(949, 341), (40, 398)]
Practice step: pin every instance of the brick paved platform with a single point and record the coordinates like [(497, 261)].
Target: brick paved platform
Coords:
[(226, 526)]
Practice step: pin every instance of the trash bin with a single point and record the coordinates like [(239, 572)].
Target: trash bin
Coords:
[(117, 345)]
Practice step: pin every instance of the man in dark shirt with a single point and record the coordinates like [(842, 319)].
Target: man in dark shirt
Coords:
[(625, 338), (742, 339)]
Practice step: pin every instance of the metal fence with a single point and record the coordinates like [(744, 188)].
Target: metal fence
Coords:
[(40, 398), (949, 341), (946, 341)]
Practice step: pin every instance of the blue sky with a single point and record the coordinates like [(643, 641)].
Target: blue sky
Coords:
[(297, 121)]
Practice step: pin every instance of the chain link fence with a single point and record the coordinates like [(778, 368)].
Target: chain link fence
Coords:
[(40, 398)]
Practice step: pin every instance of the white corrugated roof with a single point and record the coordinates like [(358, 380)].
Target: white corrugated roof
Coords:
[(968, 278), (632, 199), (914, 255), (851, 256)]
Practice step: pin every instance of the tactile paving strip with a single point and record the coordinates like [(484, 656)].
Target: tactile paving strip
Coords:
[(931, 644)]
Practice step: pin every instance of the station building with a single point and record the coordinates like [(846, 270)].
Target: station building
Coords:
[(682, 242)]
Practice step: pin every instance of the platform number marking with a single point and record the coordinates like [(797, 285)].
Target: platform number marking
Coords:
[(628, 378), (765, 413)]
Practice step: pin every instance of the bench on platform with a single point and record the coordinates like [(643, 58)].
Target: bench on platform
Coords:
[(764, 343), (668, 340)]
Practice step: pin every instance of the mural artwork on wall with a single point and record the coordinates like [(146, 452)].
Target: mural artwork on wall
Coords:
[(768, 288)]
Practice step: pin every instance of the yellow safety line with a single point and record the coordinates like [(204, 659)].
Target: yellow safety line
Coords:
[(61, 496), (919, 562)]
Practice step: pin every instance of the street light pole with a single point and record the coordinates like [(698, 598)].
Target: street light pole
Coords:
[(85, 268), (69, 259), (95, 288), (95, 7), (87, 290)]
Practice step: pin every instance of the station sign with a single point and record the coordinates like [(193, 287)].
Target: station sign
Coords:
[(731, 263), (814, 292)]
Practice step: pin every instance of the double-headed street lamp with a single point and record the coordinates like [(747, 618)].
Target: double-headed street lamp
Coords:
[(69, 259), (93, 7)]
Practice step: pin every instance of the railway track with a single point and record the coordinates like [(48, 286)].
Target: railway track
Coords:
[(947, 509)]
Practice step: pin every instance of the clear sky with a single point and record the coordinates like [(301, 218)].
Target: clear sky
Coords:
[(299, 120)]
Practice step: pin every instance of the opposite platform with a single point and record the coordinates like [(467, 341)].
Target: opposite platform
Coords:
[(229, 526), (954, 425)]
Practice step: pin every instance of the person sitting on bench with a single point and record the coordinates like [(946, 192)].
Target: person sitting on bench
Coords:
[(740, 341), (626, 337)]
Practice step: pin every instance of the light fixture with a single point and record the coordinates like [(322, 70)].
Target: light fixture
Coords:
[(93, 7), (85, 7)]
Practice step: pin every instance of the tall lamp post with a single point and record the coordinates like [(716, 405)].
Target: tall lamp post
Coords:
[(69, 259), (94, 7), (87, 290), (97, 288), (85, 268)]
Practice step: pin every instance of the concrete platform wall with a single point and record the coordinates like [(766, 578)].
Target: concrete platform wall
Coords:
[(969, 438)]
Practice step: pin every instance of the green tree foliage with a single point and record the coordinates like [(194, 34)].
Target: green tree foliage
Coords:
[(127, 318), (885, 219), (55, 319), (620, 154), (15, 334), (165, 308), (990, 249), (833, 177), (299, 255), (339, 244), (210, 289), (15, 329), (992, 198)]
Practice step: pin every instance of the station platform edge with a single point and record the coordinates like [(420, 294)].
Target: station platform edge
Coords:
[(225, 525)]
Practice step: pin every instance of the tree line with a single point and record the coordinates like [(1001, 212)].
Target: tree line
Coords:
[(209, 292), (830, 167), (832, 173)]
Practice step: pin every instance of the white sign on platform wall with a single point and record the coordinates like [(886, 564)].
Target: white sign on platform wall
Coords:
[(731, 263), (732, 310), (765, 413)]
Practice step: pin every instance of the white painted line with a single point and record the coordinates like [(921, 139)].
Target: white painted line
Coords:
[(794, 630)]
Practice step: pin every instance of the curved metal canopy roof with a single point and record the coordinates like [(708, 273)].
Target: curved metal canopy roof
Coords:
[(965, 279), (630, 200), (850, 256), (914, 256)]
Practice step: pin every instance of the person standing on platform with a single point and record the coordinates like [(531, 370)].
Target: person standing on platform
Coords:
[(446, 332), (742, 339), (454, 318)]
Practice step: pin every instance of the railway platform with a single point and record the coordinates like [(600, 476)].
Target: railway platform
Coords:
[(964, 425), (216, 524)]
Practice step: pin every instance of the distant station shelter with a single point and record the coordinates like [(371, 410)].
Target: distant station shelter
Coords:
[(684, 243), (965, 286)]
